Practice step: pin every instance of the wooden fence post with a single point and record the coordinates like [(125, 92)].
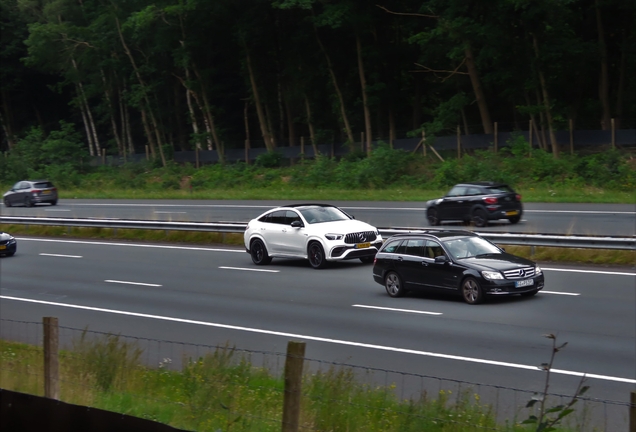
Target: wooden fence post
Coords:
[(293, 385), (196, 155), (51, 361), (424, 142), (147, 153)]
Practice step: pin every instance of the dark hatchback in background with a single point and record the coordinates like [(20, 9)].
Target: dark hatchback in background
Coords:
[(8, 244), (30, 192), (453, 261), (477, 202)]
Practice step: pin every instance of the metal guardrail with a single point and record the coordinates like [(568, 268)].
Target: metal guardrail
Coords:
[(585, 242)]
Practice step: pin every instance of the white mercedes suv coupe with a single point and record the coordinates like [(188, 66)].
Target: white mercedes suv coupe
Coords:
[(318, 232)]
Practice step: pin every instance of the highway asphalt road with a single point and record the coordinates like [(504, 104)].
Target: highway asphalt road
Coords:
[(212, 295), (579, 219)]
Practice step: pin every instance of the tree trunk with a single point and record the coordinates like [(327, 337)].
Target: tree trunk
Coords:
[(291, 129), (312, 134), (111, 111), (143, 113), (87, 128), (334, 81), (477, 89), (89, 115), (363, 85), (417, 105), (603, 84), (267, 137), (621, 88), (6, 120), (546, 101)]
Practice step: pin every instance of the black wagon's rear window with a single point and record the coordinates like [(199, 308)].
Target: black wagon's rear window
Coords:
[(43, 185)]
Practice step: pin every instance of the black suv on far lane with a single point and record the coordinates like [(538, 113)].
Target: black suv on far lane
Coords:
[(453, 261), (477, 202)]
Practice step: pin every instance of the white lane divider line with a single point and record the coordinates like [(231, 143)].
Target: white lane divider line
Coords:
[(169, 212), (333, 341), (132, 283), (249, 269), (62, 256), (589, 271), (560, 293), (396, 310), (581, 211), (57, 210)]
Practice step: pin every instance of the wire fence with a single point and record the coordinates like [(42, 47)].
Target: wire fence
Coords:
[(219, 388)]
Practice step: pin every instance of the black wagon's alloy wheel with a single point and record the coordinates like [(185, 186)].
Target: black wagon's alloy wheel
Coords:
[(480, 219), (472, 292), (258, 251), (316, 256), (432, 217), (393, 284)]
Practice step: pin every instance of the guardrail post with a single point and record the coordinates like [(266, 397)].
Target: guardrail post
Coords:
[(632, 412), (293, 385), (51, 362)]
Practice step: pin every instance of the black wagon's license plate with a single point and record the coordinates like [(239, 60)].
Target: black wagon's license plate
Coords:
[(523, 283), (363, 245)]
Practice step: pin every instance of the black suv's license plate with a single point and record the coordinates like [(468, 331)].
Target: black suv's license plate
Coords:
[(524, 283)]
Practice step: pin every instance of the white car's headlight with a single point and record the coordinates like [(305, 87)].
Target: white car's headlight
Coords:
[(334, 236), (492, 275), (537, 270)]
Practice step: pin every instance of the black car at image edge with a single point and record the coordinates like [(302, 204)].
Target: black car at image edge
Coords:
[(8, 244), (476, 202), (453, 261)]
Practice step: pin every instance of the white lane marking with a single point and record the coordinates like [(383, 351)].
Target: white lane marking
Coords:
[(590, 271), (170, 212), (132, 283), (133, 245), (60, 255), (57, 210), (560, 293), (343, 207), (397, 310), (249, 269), (581, 211), (328, 340), (243, 251)]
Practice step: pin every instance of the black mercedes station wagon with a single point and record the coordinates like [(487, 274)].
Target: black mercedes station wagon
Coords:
[(453, 261)]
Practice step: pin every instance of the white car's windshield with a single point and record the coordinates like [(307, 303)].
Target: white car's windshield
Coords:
[(322, 214), (467, 247)]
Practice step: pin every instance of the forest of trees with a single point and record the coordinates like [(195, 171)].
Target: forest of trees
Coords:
[(180, 74)]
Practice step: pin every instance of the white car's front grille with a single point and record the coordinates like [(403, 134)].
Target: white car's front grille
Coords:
[(360, 237)]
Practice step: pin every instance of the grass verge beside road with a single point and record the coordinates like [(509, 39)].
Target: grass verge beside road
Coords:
[(539, 253)]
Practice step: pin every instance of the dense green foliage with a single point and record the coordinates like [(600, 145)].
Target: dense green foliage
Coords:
[(516, 164), (175, 74)]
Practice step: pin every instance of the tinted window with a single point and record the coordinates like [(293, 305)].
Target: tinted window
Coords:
[(277, 217), (434, 249), (16, 186), (500, 189), (415, 247), (43, 185), (392, 246), (457, 191), (473, 191), (291, 216)]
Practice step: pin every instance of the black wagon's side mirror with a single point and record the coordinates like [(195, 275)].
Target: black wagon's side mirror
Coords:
[(441, 259)]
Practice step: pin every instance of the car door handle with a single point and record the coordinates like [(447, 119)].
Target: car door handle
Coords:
[(424, 263), (400, 259), (284, 230)]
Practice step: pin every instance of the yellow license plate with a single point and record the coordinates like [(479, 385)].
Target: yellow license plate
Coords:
[(2, 247), (363, 245), (46, 192), (512, 213)]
